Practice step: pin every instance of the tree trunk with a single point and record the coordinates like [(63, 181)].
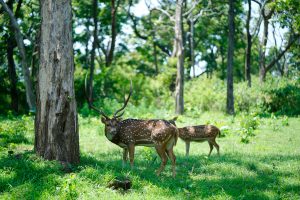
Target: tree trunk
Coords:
[(110, 53), (26, 73), (192, 47), (95, 42), (56, 124), (154, 44), (11, 66), (12, 75), (262, 74), (230, 98), (248, 47), (266, 14), (179, 54), (264, 41)]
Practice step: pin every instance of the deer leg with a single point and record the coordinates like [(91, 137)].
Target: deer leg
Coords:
[(187, 148), (162, 154), (216, 145), (125, 156), (131, 154), (172, 157), (211, 147)]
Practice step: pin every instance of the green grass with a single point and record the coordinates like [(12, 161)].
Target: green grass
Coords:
[(268, 167)]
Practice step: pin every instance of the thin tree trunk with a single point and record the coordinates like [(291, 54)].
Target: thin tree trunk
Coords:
[(262, 74), (154, 44), (266, 14), (155, 57), (95, 42), (110, 53), (56, 124), (11, 66), (192, 47), (178, 51), (230, 98), (248, 47), (223, 55), (12, 75), (26, 73)]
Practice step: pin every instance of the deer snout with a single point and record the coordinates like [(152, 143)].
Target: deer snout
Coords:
[(110, 133)]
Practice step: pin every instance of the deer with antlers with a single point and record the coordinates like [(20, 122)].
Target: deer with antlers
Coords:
[(129, 133)]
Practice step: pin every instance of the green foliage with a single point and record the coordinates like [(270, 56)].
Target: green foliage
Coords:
[(284, 98), (248, 124), (68, 187), (203, 94), (13, 131), (285, 121)]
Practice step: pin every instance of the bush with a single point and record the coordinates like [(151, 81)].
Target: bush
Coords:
[(283, 99), (248, 124)]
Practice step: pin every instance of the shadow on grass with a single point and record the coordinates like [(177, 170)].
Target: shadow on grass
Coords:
[(16, 138), (236, 176), (29, 171)]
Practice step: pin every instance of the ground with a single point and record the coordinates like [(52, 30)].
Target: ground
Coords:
[(267, 167)]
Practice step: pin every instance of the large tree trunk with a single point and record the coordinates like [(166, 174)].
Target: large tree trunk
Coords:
[(230, 98), (248, 47), (26, 73), (56, 124), (93, 52), (179, 54)]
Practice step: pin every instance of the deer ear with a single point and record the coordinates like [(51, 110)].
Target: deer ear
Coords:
[(103, 120)]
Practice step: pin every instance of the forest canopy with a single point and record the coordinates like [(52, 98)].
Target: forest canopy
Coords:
[(118, 41)]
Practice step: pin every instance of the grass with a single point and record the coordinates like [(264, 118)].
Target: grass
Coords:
[(268, 167)]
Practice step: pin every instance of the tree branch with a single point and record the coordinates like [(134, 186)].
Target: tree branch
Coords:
[(164, 12), (191, 9), (277, 58)]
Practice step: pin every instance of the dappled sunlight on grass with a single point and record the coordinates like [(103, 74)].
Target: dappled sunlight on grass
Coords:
[(267, 167)]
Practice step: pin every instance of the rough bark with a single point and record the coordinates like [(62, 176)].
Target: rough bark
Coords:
[(248, 46), (230, 98), (95, 42), (26, 73), (56, 124), (179, 54)]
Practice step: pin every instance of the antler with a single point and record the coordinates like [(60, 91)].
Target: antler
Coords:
[(90, 101), (125, 103)]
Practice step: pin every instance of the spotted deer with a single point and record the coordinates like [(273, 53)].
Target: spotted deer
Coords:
[(198, 133), (130, 133)]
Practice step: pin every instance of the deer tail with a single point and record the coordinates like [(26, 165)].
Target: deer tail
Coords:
[(172, 140), (176, 136), (219, 133)]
